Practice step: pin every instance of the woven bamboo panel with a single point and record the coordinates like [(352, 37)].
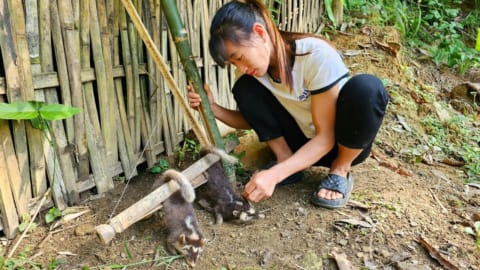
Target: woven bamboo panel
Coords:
[(88, 54)]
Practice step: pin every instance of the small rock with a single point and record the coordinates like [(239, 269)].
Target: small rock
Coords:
[(385, 253), (314, 230), (266, 257), (442, 113), (285, 234), (343, 242), (301, 211), (312, 261)]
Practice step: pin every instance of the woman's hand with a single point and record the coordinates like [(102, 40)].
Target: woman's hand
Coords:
[(194, 99), (261, 185), (229, 117)]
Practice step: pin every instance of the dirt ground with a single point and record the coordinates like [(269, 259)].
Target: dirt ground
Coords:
[(395, 206)]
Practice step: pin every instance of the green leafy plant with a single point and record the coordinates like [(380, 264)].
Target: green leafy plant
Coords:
[(329, 9), (127, 250), (274, 7), (39, 113), (162, 166), (163, 259), (55, 263), (189, 146), (52, 214), (447, 32), (26, 220), (20, 262), (456, 138)]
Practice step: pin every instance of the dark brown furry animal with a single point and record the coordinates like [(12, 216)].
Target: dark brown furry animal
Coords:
[(227, 205), (184, 234)]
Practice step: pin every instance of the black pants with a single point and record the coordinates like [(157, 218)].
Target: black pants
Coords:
[(360, 108)]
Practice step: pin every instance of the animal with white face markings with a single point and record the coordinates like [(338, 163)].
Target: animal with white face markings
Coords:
[(184, 234), (227, 205)]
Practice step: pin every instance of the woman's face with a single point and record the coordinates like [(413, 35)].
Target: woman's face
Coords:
[(251, 57)]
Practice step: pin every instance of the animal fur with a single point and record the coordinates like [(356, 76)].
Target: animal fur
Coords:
[(184, 234), (227, 205)]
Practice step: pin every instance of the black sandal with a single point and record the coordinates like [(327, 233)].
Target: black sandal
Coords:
[(335, 183)]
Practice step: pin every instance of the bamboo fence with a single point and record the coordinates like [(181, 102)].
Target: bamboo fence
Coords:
[(88, 54)]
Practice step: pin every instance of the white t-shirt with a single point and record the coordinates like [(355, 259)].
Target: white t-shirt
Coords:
[(318, 70)]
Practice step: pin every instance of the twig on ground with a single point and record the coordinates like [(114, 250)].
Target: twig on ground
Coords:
[(44, 198), (435, 254), (268, 209), (444, 210)]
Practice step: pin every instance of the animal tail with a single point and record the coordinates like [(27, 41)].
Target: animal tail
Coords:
[(186, 188), (219, 152)]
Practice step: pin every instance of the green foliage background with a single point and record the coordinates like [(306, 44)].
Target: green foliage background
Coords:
[(447, 30)]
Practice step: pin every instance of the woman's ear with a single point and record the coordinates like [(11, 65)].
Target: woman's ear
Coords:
[(260, 30)]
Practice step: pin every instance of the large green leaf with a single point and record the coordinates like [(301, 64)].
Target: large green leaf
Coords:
[(18, 110), (57, 111), (32, 109), (329, 10)]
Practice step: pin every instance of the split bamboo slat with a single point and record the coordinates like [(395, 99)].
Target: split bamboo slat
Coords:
[(71, 37), (10, 219), (14, 85), (89, 54)]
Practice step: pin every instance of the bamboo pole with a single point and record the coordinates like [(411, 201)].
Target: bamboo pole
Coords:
[(184, 49), (135, 96), (109, 127), (174, 111), (143, 108), (153, 83), (7, 204), (95, 142), (63, 157), (72, 51), (104, 80), (163, 68), (127, 112), (103, 178), (166, 102), (34, 136), (13, 172), (338, 11), (125, 146), (62, 71), (14, 93), (31, 12), (145, 83), (149, 83)]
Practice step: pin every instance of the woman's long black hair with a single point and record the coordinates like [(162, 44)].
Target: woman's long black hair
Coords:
[(234, 22)]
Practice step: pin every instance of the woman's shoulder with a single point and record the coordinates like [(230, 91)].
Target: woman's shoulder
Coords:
[(311, 44)]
